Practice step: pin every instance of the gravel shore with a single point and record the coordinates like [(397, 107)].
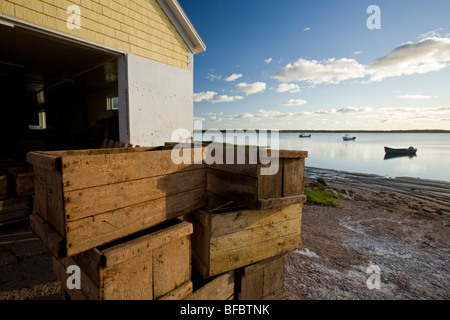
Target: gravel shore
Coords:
[(400, 226)]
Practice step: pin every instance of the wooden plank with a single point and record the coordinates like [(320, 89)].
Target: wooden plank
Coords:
[(274, 277), (89, 290), (219, 288), (229, 223), (242, 238), (92, 201), (253, 253), (44, 160), (40, 191), (178, 293), (262, 280), (270, 186), (55, 201), (122, 252), (51, 239), (279, 202), (90, 232), (236, 187), (171, 269), (129, 280), (3, 186), (81, 172), (293, 171), (92, 262)]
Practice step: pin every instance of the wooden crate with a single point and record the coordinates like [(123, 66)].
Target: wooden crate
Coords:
[(151, 265), (229, 240), (14, 209), (262, 280), (3, 186), (220, 287), (246, 184), (91, 197), (21, 180)]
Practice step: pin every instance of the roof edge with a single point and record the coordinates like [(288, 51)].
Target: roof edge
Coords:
[(181, 21)]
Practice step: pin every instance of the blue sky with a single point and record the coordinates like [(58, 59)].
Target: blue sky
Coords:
[(315, 65)]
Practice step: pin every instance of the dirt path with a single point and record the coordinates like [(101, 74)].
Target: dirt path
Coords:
[(394, 224)]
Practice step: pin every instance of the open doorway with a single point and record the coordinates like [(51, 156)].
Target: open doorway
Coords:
[(55, 94)]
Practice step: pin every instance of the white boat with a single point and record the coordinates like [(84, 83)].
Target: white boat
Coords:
[(348, 138)]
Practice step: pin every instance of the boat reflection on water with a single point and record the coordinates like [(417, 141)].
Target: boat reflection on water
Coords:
[(388, 156)]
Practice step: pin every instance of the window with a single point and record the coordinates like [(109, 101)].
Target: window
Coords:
[(42, 122), (112, 103)]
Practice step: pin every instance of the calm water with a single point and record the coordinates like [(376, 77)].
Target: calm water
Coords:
[(366, 154)]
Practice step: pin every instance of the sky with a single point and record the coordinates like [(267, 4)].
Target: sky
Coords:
[(322, 64)]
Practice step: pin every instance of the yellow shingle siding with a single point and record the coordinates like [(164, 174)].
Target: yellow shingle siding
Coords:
[(137, 26)]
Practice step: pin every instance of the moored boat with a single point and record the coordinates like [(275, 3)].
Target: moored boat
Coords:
[(348, 138), (410, 150), (302, 135)]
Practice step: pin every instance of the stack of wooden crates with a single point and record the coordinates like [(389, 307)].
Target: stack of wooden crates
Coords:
[(135, 222), (16, 191)]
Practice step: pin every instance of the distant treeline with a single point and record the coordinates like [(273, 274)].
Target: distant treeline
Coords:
[(337, 131)]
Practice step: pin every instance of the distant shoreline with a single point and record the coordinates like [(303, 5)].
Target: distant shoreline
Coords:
[(334, 131)]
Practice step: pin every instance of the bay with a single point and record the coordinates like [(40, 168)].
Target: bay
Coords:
[(366, 154)]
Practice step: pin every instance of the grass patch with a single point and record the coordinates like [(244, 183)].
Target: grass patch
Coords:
[(322, 197)]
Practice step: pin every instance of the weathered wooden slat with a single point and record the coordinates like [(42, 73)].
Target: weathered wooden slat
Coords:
[(82, 234), (122, 252), (219, 288), (95, 200), (81, 172), (254, 253), (280, 202), (40, 191), (51, 239), (89, 290), (44, 160), (168, 272), (293, 172), (241, 238), (55, 201), (262, 280), (178, 293), (129, 280), (3, 186)]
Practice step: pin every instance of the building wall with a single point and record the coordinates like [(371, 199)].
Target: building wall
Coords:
[(140, 27), (160, 100)]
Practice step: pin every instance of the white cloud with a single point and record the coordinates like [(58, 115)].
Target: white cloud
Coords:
[(233, 77), (414, 97), (251, 88), (202, 96), (430, 54), (294, 102), (307, 29), (288, 87), (213, 76), (433, 33), (317, 72), (267, 61), (212, 97)]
